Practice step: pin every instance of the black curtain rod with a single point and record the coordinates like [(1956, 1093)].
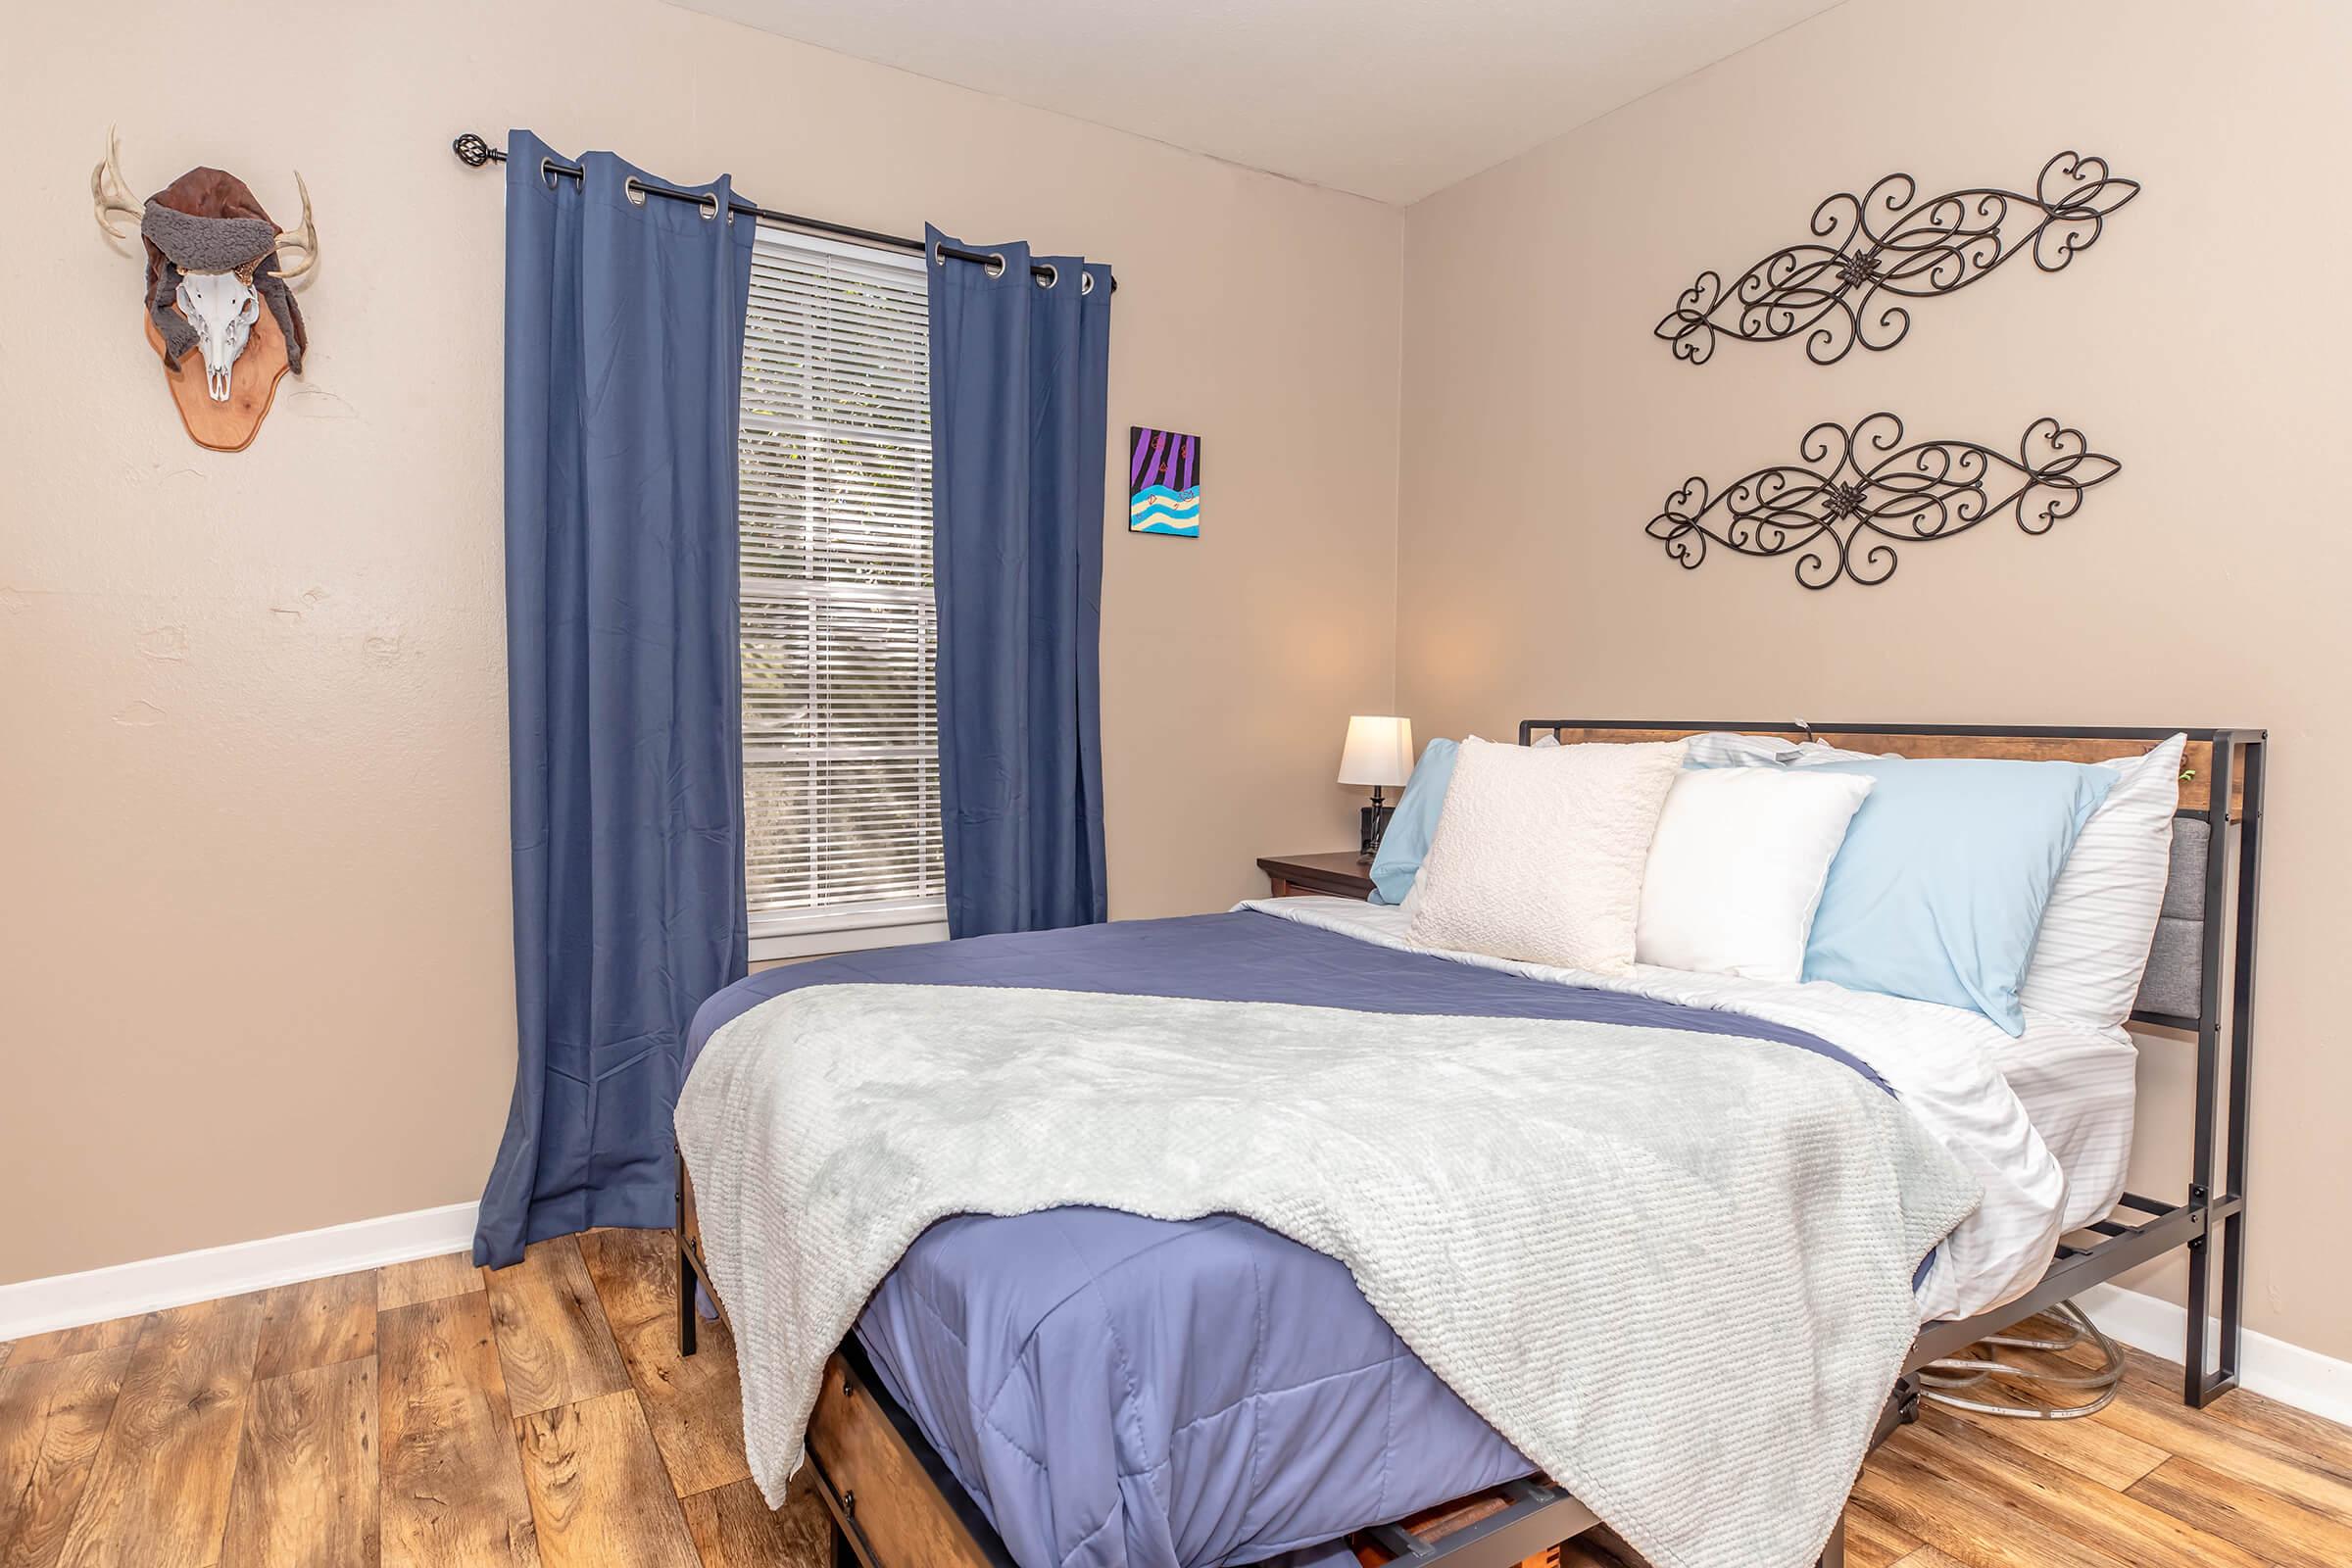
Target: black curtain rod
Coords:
[(474, 151)]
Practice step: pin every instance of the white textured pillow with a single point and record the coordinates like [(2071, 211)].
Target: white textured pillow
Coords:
[(2092, 947), (1738, 865), (1538, 852)]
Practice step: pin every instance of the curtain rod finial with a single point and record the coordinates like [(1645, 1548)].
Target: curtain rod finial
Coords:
[(474, 151)]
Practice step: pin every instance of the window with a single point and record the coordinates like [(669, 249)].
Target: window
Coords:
[(839, 632)]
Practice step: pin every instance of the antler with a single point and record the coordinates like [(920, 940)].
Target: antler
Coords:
[(111, 194), (297, 247)]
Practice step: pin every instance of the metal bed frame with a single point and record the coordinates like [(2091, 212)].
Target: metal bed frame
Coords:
[(1522, 1519)]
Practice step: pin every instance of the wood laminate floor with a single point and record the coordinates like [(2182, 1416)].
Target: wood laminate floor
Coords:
[(432, 1414)]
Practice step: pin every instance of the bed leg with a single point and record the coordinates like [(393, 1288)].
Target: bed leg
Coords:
[(2210, 1361), (2233, 1297), (844, 1556), (2200, 1310), (686, 1324), (1833, 1556)]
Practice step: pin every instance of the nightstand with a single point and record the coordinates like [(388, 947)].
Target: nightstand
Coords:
[(1340, 875)]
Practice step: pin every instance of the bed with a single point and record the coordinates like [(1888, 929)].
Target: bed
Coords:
[(1081, 1384)]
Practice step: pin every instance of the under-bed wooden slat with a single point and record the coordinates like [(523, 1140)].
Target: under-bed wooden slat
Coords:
[(1434, 1524)]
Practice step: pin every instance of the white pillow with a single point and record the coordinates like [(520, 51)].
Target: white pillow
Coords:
[(2092, 947), (1539, 853), (1738, 865), (1723, 748)]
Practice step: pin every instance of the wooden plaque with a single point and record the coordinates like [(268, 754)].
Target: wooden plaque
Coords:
[(251, 384)]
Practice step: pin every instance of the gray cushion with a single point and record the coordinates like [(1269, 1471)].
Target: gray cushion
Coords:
[(2176, 975), (2185, 888)]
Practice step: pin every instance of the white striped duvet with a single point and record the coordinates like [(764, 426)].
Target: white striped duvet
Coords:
[(2078, 1085)]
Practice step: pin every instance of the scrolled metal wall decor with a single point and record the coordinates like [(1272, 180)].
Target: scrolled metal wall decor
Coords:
[(1860, 492), (1888, 242)]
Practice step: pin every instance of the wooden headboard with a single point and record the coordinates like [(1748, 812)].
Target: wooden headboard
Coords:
[(2094, 745)]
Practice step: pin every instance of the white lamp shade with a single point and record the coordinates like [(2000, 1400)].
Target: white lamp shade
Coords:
[(1379, 750)]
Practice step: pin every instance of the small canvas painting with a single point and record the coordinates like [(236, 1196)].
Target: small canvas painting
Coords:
[(1163, 482)]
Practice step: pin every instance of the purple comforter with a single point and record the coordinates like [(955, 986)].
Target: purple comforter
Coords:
[(1133, 1392)]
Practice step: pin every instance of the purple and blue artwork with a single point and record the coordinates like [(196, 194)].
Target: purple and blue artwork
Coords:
[(1163, 482)]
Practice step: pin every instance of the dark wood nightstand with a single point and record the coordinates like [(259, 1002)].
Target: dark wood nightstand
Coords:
[(1339, 876)]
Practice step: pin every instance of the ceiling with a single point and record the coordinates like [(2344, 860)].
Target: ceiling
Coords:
[(1391, 99)]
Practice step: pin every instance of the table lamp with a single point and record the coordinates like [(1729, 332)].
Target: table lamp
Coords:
[(1379, 753)]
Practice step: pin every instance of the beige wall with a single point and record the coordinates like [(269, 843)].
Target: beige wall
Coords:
[(256, 923), (2200, 342), (254, 777)]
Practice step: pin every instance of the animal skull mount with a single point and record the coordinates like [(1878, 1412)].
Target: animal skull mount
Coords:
[(217, 274), (221, 306)]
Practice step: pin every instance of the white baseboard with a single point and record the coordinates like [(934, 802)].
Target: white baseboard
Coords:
[(2288, 1373), (2306, 1379), (68, 1301)]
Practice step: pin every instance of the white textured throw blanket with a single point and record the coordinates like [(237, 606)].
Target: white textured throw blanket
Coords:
[(1674, 1269)]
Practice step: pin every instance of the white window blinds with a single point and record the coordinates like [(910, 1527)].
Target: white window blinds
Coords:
[(840, 724)]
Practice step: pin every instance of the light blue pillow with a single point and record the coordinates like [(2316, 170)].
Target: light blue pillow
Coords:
[(1937, 892), (1412, 823)]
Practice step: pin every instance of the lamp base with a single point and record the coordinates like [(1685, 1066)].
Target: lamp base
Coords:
[(1374, 822)]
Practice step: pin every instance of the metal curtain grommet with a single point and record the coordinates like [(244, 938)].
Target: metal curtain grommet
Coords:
[(1086, 283), (996, 264), (632, 190), (547, 172), (939, 254), (710, 205), (1052, 277)]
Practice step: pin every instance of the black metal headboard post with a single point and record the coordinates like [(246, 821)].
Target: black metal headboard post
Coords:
[(2229, 1207), (2231, 884)]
